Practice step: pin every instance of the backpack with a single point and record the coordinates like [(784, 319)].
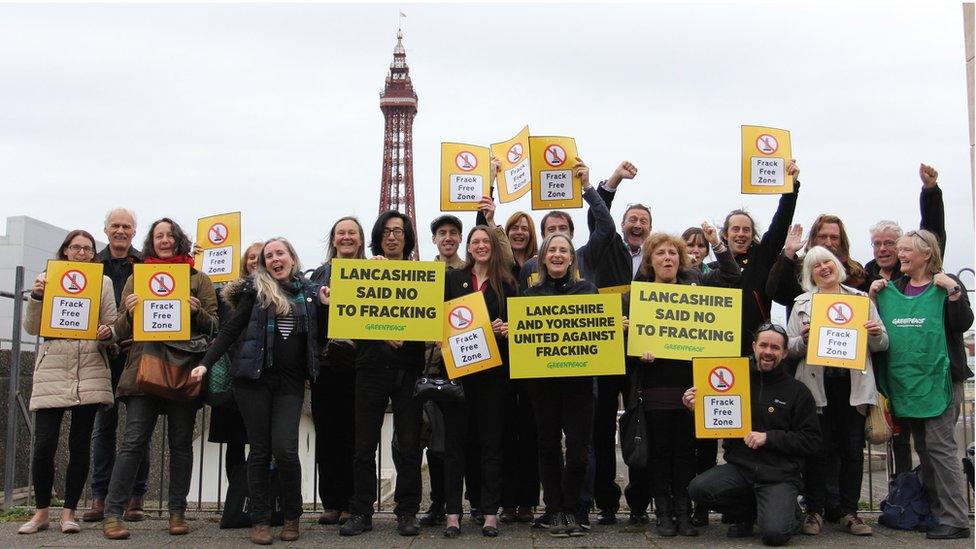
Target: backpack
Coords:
[(907, 505)]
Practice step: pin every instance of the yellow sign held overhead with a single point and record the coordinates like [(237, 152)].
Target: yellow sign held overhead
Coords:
[(554, 185), (469, 343), (563, 336), (765, 153), (465, 176), (723, 403), (72, 300), (838, 337), (389, 300), (220, 238), (163, 312), (516, 176), (683, 322)]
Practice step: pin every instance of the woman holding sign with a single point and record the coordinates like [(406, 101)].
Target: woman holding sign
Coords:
[(280, 320), (926, 313), (71, 375), (484, 391), (166, 243), (843, 396), (671, 426)]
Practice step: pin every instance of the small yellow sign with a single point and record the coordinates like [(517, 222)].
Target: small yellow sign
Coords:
[(765, 153), (516, 176), (838, 337), (387, 300), (220, 238), (684, 322), (723, 403), (163, 312), (465, 176), (469, 344), (72, 300), (554, 185), (564, 336)]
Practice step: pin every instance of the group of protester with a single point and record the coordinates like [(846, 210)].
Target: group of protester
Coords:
[(508, 436)]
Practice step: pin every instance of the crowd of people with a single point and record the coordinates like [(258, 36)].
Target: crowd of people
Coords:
[(510, 437)]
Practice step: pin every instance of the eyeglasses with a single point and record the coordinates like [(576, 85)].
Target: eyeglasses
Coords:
[(769, 326), (397, 232), (86, 249), (883, 244)]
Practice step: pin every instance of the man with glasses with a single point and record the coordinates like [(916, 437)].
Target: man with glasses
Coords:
[(118, 258), (761, 476)]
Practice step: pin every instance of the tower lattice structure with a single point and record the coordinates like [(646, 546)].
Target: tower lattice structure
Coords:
[(398, 101)]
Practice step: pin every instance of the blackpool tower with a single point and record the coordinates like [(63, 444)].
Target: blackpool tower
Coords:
[(398, 101)]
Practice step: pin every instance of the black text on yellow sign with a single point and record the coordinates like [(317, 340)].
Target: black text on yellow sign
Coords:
[(388, 300), (72, 300), (723, 405), (554, 183), (163, 311), (469, 344), (838, 337), (765, 153), (465, 176), (563, 336), (220, 238), (684, 322), (515, 176)]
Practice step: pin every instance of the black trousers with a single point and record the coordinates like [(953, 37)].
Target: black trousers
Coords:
[(333, 412), (672, 452), (271, 418), (375, 387), (563, 406), (842, 431), (733, 490), (606, 492), (47, 431), (901, 446), (447, 471), (520, 449)]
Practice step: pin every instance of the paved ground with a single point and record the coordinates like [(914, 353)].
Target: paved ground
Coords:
[(205, 533)]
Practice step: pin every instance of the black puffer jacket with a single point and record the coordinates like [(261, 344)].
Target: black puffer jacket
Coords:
[(784, 409)]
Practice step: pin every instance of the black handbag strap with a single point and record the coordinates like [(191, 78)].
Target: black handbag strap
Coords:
[(636, 391)]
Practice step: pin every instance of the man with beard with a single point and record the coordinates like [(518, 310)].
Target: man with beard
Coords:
[(761, 476)]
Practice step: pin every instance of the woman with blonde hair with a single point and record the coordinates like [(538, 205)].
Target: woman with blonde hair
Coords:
[(280, 319)]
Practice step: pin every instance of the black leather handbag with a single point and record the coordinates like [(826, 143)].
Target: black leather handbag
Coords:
[(633, 425), (434, 385)]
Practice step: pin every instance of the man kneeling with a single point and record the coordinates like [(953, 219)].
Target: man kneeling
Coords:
[(761, 477)]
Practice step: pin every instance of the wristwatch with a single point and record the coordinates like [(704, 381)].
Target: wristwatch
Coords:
[(955, 290)]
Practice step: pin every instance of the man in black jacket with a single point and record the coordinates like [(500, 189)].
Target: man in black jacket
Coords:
[(761, 477)]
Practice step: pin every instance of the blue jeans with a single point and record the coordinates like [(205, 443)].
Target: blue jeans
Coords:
[(103, 446)]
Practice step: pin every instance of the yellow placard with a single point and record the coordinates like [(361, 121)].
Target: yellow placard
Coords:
[(723, 403), (220, 238), (765, 152), (564, 336), (389, 300), (72, 300), (163, 312), (465, 176), (838, 337), (684, 322), (554, 185), (469, 344), (516, 176)]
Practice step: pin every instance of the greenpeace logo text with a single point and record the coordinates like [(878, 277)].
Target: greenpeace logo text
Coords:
[(908, 321)]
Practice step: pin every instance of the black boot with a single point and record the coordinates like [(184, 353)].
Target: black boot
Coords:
[(665, 520), (435, 515), (682, 510)]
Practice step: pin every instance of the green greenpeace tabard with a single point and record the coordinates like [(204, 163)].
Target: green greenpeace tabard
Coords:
[(917, 380)]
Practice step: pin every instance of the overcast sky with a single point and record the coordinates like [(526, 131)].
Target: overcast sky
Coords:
[(273, 110)]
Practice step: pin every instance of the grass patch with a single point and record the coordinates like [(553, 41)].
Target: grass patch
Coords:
[(15, 514)]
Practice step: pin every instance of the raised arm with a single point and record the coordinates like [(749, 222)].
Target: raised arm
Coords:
[(728, 272), (608, 189), (931, 205), (775, 238)]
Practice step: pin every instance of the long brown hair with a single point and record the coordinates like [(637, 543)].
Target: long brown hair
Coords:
[(532, 246), (498, 273), (855, 272)]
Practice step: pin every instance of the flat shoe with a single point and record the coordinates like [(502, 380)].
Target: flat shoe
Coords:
[(32, 527), (70, 527), (452, 532), (489, 531)]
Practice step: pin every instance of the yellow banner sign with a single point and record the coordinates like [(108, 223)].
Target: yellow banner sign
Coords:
[(684, 322), (765, 152), (563, 336), (72, 300), (723, 404), (388, 300), (220, 238), (516, 176), (838, 337), (465, 176), (163, 312), (469, 344), (554, 185)]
